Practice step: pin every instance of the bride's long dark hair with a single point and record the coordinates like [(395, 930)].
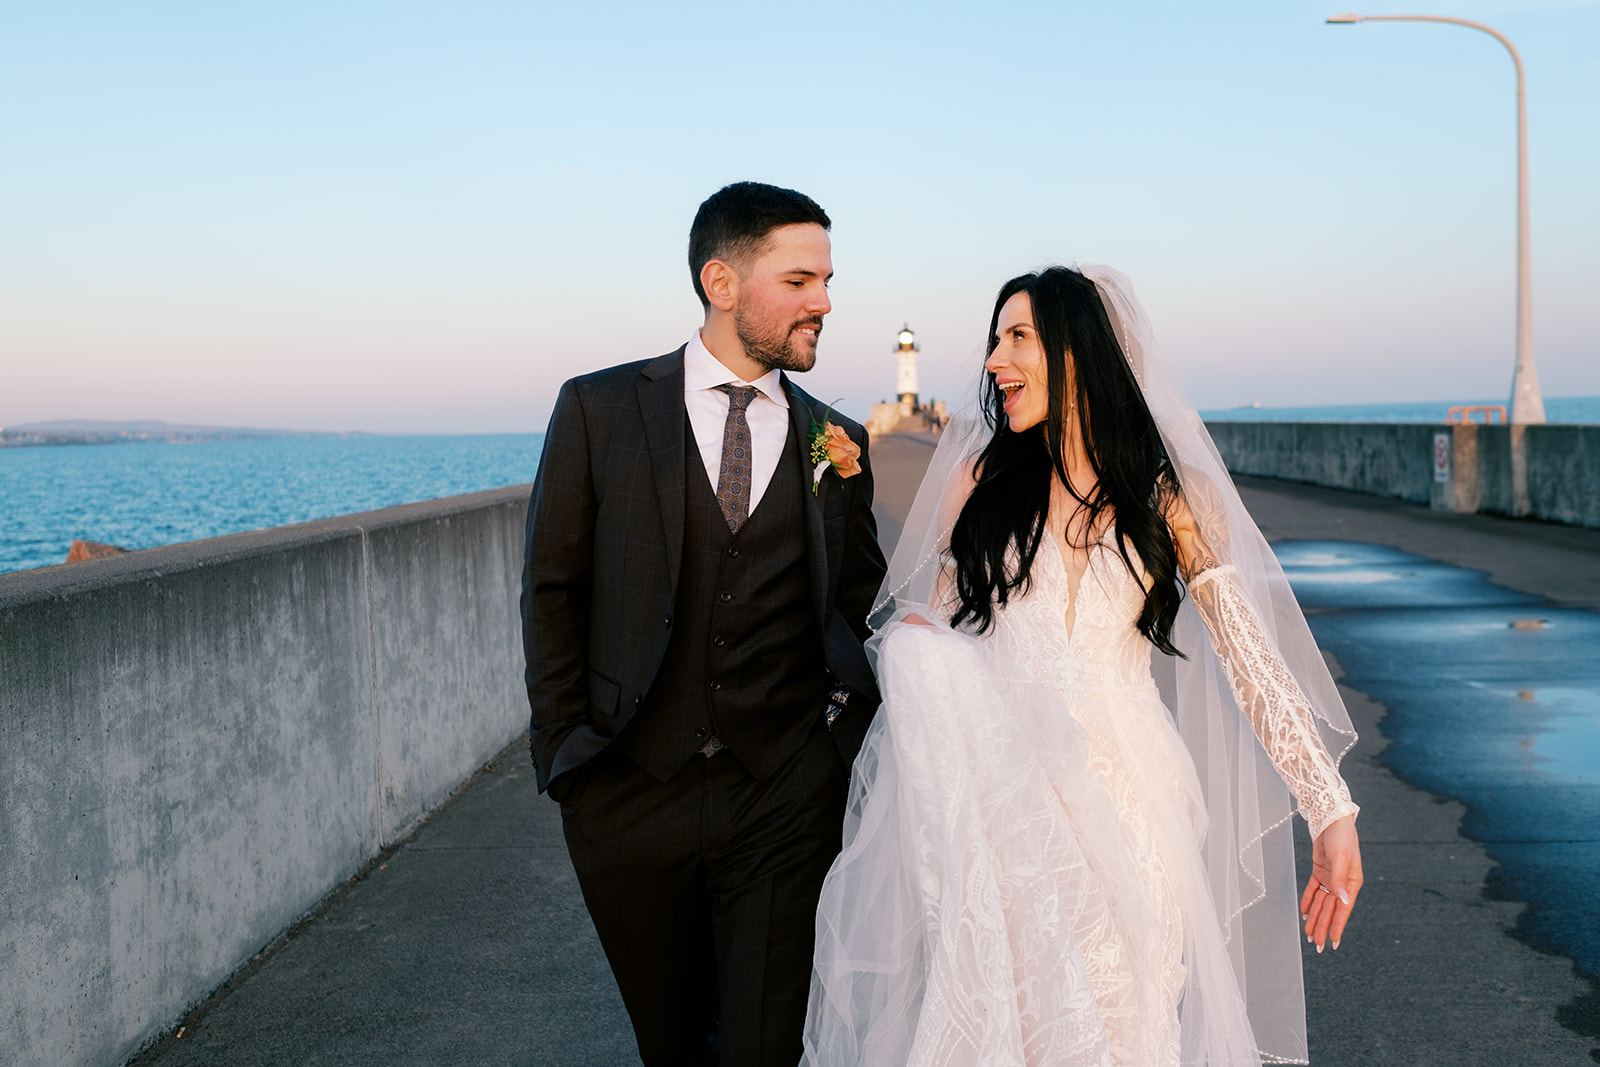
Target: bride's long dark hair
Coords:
[(1008, 505)]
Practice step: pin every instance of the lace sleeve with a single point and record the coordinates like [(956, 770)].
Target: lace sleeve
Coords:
[(1271, 699)]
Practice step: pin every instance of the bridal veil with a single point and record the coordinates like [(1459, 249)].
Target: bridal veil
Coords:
[(1246, 848)]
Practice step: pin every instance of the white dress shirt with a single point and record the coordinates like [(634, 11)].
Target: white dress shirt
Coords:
[(707, 407)]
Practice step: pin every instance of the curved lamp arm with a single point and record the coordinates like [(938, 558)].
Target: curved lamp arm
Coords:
[(1527, 402)]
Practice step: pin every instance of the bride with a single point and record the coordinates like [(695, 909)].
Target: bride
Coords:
[(1067, 839)]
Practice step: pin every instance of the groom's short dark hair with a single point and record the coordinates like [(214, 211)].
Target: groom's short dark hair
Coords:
[(734, 222)]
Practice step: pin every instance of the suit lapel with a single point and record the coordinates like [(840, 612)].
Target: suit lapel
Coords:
[(661, 407), (801, 415)]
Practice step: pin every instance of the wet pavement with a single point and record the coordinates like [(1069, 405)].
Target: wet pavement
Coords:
[(1493, 699)]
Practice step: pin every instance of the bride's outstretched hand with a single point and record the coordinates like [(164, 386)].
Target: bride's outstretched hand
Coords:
[(1335, 881)]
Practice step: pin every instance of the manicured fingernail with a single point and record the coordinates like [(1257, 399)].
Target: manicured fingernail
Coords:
[(1336, 946), (1344, 897), (1309, 939), (1319, 950)]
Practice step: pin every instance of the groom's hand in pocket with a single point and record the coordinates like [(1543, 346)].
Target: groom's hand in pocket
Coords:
[(561, 788)]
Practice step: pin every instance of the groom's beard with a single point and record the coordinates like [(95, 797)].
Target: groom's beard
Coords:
[(778, 349)]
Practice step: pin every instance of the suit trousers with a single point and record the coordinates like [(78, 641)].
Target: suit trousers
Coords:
[(704, 890)]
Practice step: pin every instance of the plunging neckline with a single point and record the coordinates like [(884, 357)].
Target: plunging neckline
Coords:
[(1069, 619)]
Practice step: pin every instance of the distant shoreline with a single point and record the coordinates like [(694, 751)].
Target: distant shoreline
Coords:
[(1559, 409), (83, 432), (8, 439)]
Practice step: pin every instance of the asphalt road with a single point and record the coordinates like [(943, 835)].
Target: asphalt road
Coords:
[(468, 943)]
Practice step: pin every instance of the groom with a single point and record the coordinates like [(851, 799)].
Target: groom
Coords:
[(694, 605)]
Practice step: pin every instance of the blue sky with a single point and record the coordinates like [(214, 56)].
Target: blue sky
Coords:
[(412, 217)]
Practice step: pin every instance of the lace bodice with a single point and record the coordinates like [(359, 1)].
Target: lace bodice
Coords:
[(1105, 651)]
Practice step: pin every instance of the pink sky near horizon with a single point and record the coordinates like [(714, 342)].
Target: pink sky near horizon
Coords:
[(390, 219)]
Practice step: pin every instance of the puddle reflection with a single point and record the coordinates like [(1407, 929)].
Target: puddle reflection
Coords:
[(1335, 574), (1569, 742), (1493, 698), (1354, 577)]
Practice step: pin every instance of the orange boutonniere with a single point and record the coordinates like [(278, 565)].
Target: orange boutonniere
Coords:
[(832, 447)]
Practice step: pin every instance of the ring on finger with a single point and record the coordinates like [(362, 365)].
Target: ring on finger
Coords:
[(1324, 889)]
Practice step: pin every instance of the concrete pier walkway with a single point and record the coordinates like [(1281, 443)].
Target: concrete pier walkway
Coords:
[(469, 944)]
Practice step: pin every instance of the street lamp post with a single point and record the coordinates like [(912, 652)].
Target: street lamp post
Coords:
[(1527, 403)]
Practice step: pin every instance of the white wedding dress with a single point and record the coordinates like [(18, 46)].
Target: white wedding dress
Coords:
[(1022, 881)]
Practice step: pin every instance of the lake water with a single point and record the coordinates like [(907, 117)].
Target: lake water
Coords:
[(146, 495)]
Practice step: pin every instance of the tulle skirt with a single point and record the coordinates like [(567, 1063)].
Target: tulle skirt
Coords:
[(1021, 880)]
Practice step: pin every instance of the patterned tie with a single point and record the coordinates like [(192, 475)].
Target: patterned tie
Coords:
[(733, 478)]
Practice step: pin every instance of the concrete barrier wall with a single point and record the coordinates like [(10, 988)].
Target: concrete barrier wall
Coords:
[(1385, 459), (198, 743), (1564, 474), (1545, 472)]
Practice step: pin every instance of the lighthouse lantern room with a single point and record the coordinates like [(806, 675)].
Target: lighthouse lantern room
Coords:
[(906, 379)]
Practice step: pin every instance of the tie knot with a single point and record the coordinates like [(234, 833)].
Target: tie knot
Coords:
[(739, 396)]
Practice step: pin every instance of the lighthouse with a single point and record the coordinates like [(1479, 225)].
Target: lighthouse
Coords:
[(906, 413), (905, 355)]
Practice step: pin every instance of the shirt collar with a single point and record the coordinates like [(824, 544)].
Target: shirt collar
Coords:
[(702, 370)]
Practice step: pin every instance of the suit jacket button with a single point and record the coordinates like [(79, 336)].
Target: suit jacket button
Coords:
[(700, 731), (669, 620), (718, 641), (724, 597), (733, 553), (715, 686)]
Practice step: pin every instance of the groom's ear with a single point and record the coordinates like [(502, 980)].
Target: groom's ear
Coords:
[(721, 284)]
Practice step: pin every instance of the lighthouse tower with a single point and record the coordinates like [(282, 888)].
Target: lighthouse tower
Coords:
[(905, 355)]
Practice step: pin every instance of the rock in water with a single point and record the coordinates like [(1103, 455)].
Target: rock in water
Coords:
[(82, 550)]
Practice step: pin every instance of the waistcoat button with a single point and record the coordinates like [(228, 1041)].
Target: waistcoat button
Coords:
[(724, 597), (715, 686), (733, 553), (700, 731), (718, 641)]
